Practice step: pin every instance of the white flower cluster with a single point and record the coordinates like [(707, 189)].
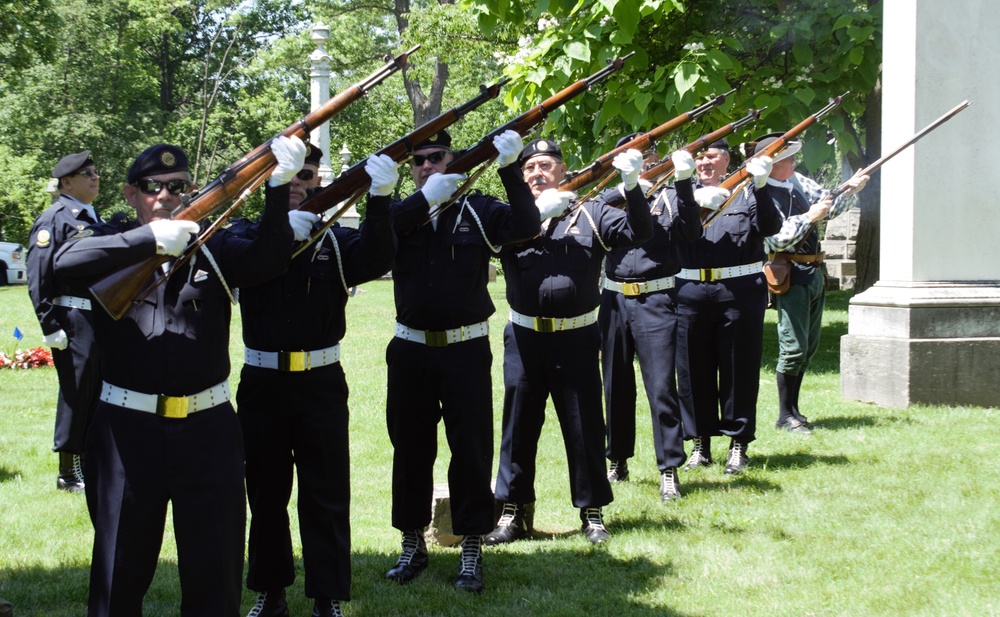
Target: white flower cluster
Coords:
[(544, 23), (696, 46), (524, 49), (773, 83)]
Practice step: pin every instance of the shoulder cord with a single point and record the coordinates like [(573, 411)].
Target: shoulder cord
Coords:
[(597, 233), (475, 217), (232, 293), (340, 261)]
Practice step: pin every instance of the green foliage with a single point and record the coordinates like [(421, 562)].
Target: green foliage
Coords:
[(23, 193), (789, 56)]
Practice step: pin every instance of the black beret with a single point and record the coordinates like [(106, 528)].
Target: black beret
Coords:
[(72, 163), (626, 139), (792, 147), (539, 147), (721, 144), (158, 159), (441, 139), (314, 156)]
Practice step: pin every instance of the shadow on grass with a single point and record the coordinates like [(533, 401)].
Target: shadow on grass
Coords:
[(7, 474), (840, 423), (552, 579), (799, 460)]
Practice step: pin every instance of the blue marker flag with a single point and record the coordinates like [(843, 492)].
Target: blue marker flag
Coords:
[(17, 333)]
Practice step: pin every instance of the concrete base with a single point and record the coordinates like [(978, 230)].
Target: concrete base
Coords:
[(440, 530), (923, 343)]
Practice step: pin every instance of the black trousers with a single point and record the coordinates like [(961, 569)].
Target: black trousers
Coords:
[(79, 383), (565, 365), (720, 328), (427, 385), (301, 420), (645, 327), (135, 463)]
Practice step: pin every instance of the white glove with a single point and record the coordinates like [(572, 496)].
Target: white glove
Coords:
[(384, 174), (440, 187), (711, 197), (302, 223), (552, 202), (172, 236), (290, 153), (683, 164), (509, 146), (760, 168), (630, 164), (56, 340)]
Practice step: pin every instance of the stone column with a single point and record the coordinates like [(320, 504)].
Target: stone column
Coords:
[(319, 81), (929, 330)]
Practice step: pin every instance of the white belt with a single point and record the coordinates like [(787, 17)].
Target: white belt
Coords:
[(72, 302), (447, 337), (163, 405), (553, 324), (293, 361), (639, 287), (715, 274)]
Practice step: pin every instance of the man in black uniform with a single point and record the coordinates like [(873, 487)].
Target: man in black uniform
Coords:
[(164, 429), (638, 318), (64, 315), (440, 359), (292, 398), (552, 343), (721, 299)]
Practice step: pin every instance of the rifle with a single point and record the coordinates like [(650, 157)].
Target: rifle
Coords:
[(596, 170), (663, 169), (351, 184), (116, 291), (740, 175), (523, 124), (882, 161)]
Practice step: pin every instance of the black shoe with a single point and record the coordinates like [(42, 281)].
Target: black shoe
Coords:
[(701, 456), (325, 607), (737, 460), (412, 561), (593, 525), (618, 472), (470, 572), (270, 604), (510, 527), (70, 478), (794, 425), (670, 488)]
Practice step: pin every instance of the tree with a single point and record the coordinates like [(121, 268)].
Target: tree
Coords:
[(788, 56)]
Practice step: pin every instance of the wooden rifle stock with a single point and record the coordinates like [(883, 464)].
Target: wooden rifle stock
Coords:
[(116, 291), (740, 175), (882, 161), (662, 170), (596, 170)]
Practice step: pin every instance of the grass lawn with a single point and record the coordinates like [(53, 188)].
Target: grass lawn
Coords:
[(882, 512)]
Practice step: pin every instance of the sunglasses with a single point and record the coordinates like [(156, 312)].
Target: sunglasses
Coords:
[(434, 157), (305, 175), (153, 187), (90, 173), (542, 166)]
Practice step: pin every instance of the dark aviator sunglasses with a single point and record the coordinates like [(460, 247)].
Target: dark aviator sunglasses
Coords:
[(153, 187), (434, 157)]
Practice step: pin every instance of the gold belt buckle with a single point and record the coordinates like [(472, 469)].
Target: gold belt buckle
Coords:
[(435, 339), (293, 361), (172, 406), (631, 289), (710, 274), (545, 324)]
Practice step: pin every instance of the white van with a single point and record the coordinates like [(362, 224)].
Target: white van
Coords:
[(12, 268)]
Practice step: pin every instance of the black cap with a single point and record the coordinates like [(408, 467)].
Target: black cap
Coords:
[(440, 139), (539, 147), (158, 159), (721, 144), (791, 148), (626, 139), (314, 156), (72, 163)]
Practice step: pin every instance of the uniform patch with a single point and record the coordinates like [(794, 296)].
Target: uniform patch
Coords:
[(43, 239), (84, 233)]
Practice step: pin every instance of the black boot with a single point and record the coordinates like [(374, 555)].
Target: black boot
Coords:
[(470, 572), (70, 478), (701, 453), (786, 404), (412, 560), (796, 387)]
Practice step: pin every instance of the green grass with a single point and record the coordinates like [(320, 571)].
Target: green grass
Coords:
[(884, 512)]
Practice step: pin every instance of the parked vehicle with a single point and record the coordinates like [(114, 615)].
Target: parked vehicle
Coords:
[(12, 264)]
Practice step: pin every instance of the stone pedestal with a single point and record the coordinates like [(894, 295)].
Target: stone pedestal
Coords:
[(927, 343), (440, 529), (929, 330), (839, 244)]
